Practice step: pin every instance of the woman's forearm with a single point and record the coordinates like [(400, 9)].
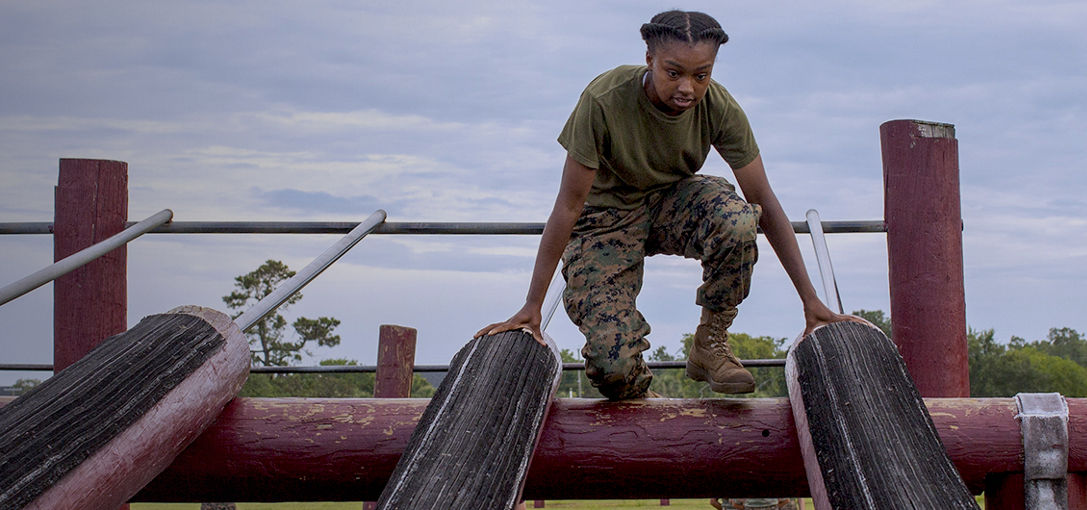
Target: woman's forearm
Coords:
[(779, 232), (552, 243)]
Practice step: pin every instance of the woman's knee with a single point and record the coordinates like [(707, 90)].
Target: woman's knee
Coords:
[(732, 224)]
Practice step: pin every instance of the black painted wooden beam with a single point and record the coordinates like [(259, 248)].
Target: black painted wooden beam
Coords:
[(474, 442), (867, 439)]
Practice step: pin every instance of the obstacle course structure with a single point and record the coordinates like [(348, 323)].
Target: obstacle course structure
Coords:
[(292, 449)]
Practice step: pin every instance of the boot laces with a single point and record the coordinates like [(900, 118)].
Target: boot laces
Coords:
[(720, 347), (718, 337)]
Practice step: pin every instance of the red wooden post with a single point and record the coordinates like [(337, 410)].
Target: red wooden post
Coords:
[(395, 359), (90, 303), (924, 245)]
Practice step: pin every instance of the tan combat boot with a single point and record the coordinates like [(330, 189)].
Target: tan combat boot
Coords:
[(711, 358)]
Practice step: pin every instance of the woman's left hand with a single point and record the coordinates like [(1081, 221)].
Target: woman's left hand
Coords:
[(818, 314)]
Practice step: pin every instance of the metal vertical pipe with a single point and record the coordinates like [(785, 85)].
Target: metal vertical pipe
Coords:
[(924, 245), (822, 256)]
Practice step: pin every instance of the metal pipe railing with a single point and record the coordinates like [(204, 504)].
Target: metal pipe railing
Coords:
[(355, 232), (82, 257), (365, 369), (288, 288), (822, 255), (413, 228)]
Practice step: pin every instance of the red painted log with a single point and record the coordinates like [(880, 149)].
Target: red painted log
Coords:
[(345, 449), (924, 248), (395, 359), (100, 430), (90, 303)]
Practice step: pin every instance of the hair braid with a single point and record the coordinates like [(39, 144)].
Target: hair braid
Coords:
[(685, 26)]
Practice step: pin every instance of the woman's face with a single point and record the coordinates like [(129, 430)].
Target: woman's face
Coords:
[(679, 74)]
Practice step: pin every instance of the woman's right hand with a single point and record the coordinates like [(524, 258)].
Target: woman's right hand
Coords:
[(528, 317)]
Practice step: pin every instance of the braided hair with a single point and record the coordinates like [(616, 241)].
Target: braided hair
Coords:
[(685, 26)]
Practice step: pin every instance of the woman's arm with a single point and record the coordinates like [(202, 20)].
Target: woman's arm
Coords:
[(775, 225), (577, 180)]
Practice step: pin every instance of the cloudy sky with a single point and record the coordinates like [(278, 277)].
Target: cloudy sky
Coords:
[(448, 111)]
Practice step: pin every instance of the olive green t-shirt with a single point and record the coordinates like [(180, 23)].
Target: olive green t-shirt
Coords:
[(636, 148)]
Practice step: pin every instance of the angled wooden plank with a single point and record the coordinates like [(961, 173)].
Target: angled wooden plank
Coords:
[(867, 439), (98, 431), (474, 442)]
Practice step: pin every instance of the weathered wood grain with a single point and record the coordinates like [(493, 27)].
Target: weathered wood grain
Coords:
[(473, 444), (866, 436), (94, 434)]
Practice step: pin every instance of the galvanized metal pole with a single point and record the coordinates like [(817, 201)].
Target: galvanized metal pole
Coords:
[(282, 293), (82, 257), (554, 290), (390, 227), (822, 255)]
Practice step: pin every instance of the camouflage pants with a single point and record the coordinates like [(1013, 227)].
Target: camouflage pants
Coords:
[(700, 217)]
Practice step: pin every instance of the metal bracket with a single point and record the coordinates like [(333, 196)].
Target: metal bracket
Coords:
[(1043, 419)]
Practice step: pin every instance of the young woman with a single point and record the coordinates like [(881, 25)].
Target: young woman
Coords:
[(630, 188)]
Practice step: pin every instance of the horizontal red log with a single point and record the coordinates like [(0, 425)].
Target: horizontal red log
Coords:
[(345, 449)]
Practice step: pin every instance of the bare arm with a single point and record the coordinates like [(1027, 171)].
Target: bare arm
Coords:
[(775, 224), (577, 180)]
